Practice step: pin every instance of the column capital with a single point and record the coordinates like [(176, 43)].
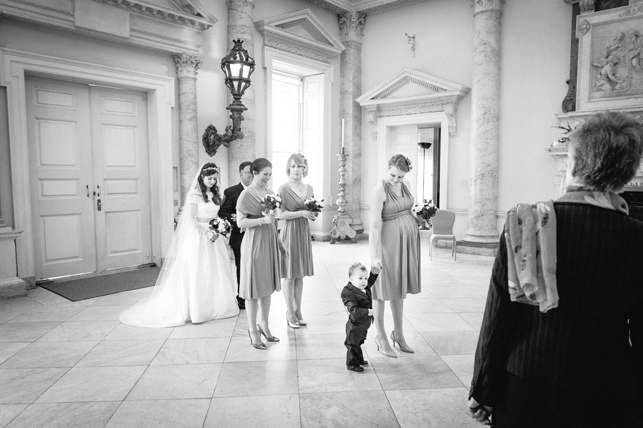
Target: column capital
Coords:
[(486, 5), (351, 25), (187, 65)]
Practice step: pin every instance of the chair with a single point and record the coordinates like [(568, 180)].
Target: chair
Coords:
[(443, 230)]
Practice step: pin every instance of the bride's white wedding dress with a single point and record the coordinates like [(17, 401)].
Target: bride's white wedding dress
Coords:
[(198, 280)]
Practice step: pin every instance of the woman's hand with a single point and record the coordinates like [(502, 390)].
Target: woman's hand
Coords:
[(309, 215), (282, 248), (212, 235), (270, 217), (479, 412), (376, 265)]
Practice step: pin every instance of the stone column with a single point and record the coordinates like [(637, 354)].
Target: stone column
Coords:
[(241, 26), (351, 26), (186, 69), (485, 96)]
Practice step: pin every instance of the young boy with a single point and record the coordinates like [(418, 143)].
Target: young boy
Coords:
[(357, 298)]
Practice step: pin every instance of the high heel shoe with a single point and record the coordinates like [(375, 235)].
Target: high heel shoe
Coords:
[(268, 338), (291, 324), (384, 352), (259, 345), (302, 322), (402, 348)]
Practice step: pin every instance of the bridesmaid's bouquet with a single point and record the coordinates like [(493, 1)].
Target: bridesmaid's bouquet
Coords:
[(270, 202), (313, 205), (221, 226), (425, 211)]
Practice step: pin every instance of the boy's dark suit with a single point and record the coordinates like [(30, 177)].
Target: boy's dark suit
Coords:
[(357, 303), (228, 208)]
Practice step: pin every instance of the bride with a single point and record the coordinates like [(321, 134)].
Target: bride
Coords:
[(197, 282)]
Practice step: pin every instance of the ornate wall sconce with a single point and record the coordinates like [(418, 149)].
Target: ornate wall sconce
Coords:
[(237, 67)]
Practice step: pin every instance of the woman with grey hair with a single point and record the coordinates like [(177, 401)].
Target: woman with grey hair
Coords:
[(579, 361)]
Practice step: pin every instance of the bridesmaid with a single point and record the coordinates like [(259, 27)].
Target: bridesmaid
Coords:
[(395, 248), (260, 247), (295, 235)]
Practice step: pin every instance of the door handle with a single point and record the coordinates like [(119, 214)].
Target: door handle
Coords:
[(87, 190), (98, 190), (99, 205)]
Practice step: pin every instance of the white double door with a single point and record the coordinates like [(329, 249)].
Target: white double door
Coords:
[(89, 170)]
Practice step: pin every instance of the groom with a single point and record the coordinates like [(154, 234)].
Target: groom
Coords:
[(229, 207)]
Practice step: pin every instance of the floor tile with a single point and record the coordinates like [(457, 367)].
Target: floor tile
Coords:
[(8, 412), (432, 408), (187, 381), (25, 332), (160, 413), (8, 350), (93, 384), (257, 411), (127, 332), (331, 375), (99, 313), (474, 319), (192, 351), (119, 299), (320, 346), (80, 331), (452, 342), (425, 306), (363, 409), (438, 322), (121, 353), (465, 304), (257, 378), (414, 373), (413, 339), (462, 366), (66, 415), (216, 328), (51, 315), (25, 385), (49, 354)]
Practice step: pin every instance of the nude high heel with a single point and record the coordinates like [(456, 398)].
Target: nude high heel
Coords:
[(259, 345), (402, 348), (382, 351), (291, 324), (268, 338)]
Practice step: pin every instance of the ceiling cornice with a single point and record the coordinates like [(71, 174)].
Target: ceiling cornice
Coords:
[(367, 6)]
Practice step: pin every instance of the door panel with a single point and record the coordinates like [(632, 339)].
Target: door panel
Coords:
[(60, 164), (119, 131), (404, 140)]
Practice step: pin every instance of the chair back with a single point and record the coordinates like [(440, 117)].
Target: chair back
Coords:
[(443, 222)]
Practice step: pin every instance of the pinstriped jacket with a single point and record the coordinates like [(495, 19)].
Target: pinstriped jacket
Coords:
[(593, 342)]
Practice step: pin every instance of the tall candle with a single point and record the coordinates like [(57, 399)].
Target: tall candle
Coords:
[(342, 133)]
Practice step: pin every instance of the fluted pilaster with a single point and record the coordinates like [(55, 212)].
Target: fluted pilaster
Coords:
[(351, 26), (241, 26), (485, 96), (186, 70)]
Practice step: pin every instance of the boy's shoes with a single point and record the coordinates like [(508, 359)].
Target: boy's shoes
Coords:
[(364, 363), (356, 369)]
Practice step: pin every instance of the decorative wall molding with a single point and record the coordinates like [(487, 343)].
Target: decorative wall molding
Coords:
[(367, 6), (444, 97), (300, 33), (187, 65), (167, 25), (351, 26)]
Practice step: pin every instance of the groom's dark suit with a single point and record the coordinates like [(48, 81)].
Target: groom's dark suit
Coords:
[(228, 208)]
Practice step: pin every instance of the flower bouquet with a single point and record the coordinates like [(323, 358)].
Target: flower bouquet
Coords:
[(425, 211), (270, 202), (313, 205), (221, 226)]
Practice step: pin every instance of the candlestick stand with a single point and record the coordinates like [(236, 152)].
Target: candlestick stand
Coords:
[(342, 221)]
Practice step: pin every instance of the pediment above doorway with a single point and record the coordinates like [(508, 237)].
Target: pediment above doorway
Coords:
[(300, 33), (166, 25), (413, 92)]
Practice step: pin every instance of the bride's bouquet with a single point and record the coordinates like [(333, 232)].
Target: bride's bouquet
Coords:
[(270, 202), (313, 205), (425, 211), (221, 226)]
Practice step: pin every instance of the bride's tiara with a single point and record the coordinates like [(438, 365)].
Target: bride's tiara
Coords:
[(210, 168)]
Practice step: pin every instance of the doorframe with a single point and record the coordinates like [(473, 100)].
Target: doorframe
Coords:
[(15, 66), (384, 125)]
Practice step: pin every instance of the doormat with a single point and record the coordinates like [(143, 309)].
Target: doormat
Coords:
[(103, 285)]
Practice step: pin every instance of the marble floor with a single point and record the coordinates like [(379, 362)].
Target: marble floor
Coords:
[(67, 364)]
